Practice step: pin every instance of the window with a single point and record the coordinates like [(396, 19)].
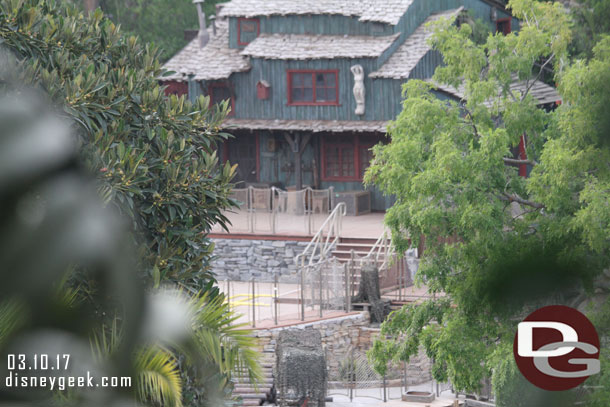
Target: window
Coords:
[(346, 158), (247, 30), (313, 88), (340, 163), (219, 92), (503, 25)]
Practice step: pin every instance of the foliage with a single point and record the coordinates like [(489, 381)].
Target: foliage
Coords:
[(196, 368), (154, 155), (161, 22), (499, 245), (158, 378), (591, 21)]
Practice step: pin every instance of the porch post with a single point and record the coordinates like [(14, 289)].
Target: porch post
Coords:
[(297, 145)]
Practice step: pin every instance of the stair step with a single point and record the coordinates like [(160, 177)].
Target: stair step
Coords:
[(354, 246), (249, 403), (258, 396), (251, 391), (360, 240), (347, 254)]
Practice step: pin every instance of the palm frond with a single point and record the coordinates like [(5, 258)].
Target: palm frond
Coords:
[(11, 316), (106, 341), (230, 346), (158, 378)]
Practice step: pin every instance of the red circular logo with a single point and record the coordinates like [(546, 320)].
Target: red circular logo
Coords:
[(556, 348)]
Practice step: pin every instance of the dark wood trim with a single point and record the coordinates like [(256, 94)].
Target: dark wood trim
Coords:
[(522, 156), (289, 73), (354, 145), (508, 20), (222, 84), (258, 29), (258, 157)]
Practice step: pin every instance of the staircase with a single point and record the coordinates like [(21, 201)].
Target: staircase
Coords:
[(246, 390), (355, 248)]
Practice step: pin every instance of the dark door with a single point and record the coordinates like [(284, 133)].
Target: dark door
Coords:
[(242, 150)]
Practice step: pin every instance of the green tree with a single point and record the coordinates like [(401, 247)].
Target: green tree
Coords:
[(517, 242), (52, 220), (155, 156), (161, 22)]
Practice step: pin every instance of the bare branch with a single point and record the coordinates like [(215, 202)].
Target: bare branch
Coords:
[(529, 87), (474, 126), (518, 199), (518, 162)]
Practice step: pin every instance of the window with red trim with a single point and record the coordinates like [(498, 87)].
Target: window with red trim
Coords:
[(247, 30), (346, 158), (313, 87), (340, 161), (503, 25), (219, 92)]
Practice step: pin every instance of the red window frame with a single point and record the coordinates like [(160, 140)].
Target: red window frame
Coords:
[(175, 88), (357, 144), (507, 27), (211, 87), (239, 21), (314, 72)]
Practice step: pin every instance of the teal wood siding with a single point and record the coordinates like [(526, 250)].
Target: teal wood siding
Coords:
[(427, 65), (278, 165), (314, 24), (382, 95)]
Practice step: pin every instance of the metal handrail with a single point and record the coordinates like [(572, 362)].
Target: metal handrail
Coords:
[(323, 243), (383, 245)]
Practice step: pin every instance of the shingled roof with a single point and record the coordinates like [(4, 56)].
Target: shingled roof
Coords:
[(214, 61), (415, 47), (383, 11), (540, 91), (314, 126), (293, 46)]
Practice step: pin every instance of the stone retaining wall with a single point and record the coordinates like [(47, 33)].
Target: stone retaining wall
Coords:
[(339, 335), (244, 259)]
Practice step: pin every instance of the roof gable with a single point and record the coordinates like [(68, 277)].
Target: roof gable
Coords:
[(214, 61), (412, 50)]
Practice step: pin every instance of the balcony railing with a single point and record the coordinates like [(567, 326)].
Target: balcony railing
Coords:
[(275, 211)]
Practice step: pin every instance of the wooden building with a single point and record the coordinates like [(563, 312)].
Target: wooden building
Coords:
[(313, 83)]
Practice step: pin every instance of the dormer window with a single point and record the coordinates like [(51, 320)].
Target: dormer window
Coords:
[(247, 30), (313, 87)]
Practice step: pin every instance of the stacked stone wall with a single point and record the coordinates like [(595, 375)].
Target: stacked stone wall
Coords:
[(244, 259)]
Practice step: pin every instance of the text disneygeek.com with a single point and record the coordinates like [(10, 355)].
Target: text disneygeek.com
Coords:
[(18, 366)]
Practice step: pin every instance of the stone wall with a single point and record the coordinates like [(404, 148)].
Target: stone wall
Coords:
[(244, 259), (341, 334)]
